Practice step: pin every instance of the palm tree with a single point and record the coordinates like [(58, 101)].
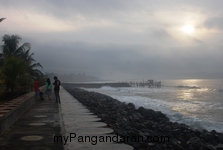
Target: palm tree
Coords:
[(11, 48), (11, 45), (2, 19), (18, 67), (12, 69), (31, 65)]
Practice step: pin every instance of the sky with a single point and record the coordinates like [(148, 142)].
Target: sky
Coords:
[(121, 39)]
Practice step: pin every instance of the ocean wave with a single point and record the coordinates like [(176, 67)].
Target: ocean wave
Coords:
[(197, 114), (108, 88), (174, 115), (188, 87), (196, 87), (220, 90), (195, 122)]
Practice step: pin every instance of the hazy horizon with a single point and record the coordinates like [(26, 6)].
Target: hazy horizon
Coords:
[(120, 39)]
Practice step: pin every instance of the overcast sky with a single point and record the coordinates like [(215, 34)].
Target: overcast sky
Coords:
[(121, 39)]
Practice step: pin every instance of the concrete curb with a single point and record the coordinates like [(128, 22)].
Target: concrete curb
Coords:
[(11, 111)]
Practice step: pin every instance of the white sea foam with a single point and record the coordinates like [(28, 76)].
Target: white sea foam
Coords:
[(166, 108), (108, 88), (197, 114)]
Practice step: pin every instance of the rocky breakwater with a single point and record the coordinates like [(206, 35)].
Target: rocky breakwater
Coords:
[(144, 128)]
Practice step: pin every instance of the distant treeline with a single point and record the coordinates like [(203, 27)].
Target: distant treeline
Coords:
[(73, 77)]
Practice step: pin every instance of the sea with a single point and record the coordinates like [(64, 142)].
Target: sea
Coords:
[(195, 102)]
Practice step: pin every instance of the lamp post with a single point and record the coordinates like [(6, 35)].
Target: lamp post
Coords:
[(2, 19)]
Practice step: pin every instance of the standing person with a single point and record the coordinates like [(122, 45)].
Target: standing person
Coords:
[(57, 89), (48, 88), (37, 91)]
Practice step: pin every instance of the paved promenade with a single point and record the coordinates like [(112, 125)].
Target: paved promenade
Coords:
[(35, 130), (89, 132), (49, 126)]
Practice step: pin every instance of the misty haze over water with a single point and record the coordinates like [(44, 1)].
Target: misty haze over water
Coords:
[(121, 40)]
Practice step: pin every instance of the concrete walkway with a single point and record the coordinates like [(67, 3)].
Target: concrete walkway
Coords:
[(83, 129), (35, 130), (50, 126)]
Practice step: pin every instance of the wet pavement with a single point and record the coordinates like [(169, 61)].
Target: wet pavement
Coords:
[(35, 130), (84, 130), (52, 126)]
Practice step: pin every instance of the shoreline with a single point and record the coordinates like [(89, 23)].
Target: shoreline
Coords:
[(126, 120)]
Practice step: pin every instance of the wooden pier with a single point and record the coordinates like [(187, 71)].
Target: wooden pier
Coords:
[(148, 84)]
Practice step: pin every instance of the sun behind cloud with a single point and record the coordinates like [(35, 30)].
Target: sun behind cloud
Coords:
[(188, 29)]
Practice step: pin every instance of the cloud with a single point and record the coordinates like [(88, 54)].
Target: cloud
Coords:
[(119, 39), (214, 22), (129, 61)]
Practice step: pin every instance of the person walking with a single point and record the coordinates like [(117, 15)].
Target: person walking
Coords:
[(57, 89), (37, 90), (48, 88)]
